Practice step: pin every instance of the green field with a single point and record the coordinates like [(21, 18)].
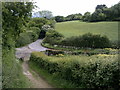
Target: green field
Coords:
[(76, 28)]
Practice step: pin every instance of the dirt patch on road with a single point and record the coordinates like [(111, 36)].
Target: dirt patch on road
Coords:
[(37, 81)]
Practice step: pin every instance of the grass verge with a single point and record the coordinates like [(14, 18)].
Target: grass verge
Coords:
[(12, 75), (53, 80)]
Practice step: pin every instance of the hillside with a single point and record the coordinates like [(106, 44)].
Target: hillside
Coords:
[(76, 28)]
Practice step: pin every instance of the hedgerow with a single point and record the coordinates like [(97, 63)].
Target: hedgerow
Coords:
[(89, 72), (87, 40)]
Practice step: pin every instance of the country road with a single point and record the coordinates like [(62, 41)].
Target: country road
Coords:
[(25, 52)]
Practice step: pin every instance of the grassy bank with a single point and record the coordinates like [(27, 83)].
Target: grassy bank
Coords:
[(76, 28), (53, 80), (12, 71)]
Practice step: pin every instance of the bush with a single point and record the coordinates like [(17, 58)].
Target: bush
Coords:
[(39, 22), (23, 39), (44, 29), (33, 36), (30, 35), (34, 29), (89, 72), (26, 38), (88, 40), (116, 44), (53, 37), (53, 52)]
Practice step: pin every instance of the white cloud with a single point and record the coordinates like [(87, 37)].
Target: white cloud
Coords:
[(66, 7)]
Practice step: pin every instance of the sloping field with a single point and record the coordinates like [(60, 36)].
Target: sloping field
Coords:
[(76, 28)]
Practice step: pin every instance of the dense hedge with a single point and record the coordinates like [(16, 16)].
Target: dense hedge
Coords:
[(116, 44), (88, 40), (85, 41), (94, 71)]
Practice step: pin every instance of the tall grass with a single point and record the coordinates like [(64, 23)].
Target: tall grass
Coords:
[(12, 75)]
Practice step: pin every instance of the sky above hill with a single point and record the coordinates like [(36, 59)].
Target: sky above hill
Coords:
[(67, 7)]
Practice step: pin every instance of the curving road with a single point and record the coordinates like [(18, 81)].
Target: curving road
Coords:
[(36, 46), (24, 53)]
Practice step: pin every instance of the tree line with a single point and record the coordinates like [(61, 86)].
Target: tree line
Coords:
[(101, 13)]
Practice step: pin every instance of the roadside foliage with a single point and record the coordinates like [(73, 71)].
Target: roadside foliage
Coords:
[(85, 71)]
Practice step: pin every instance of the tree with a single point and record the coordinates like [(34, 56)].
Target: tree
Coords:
[(86, 16), (108, 13), (115, 11), (73, 17), (101, 7), (14, 16), (102, 13), (43, 14), (59, 18), (99, 14), (39, 22)]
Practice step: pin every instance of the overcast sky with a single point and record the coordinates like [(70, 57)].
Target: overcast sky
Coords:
[(66, 7)]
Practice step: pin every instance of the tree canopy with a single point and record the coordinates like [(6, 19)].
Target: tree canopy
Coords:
[(14, 16), (69, 17), (43, 14), (103, 13), (59, 18)]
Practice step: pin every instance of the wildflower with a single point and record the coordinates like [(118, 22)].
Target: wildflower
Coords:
[(59, 55)]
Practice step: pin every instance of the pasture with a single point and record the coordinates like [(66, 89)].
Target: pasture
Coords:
[(76, 28)]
